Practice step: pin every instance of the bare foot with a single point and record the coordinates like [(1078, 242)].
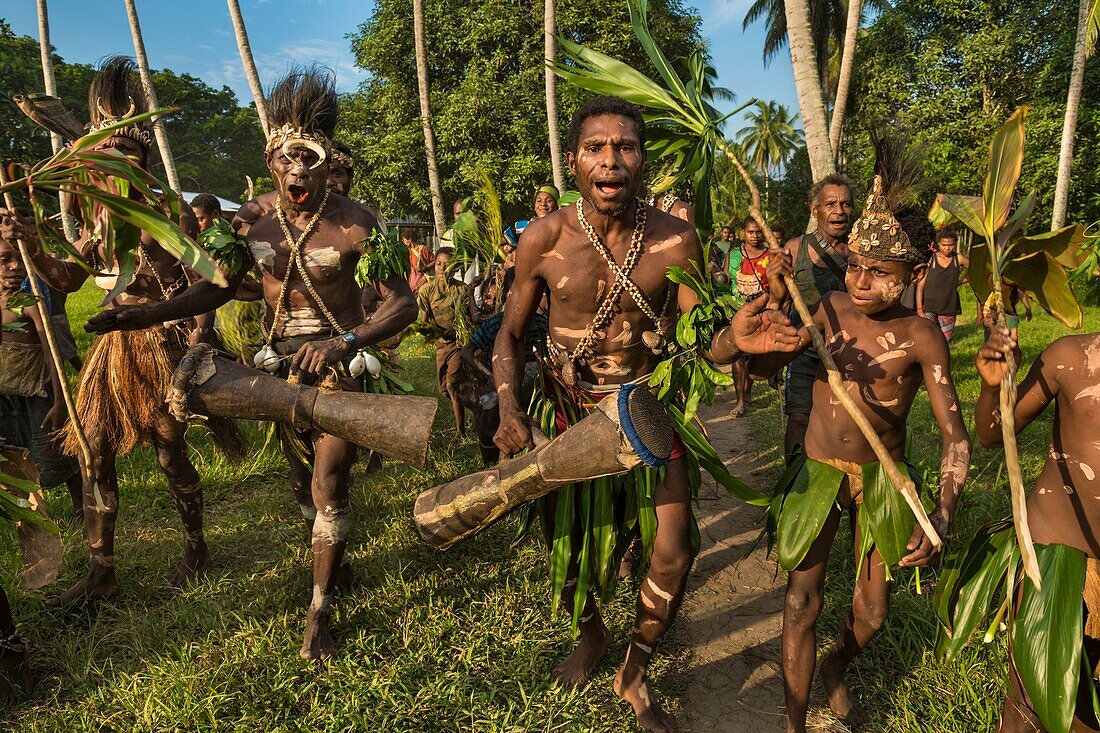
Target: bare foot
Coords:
[(98, 583), (640, 695), (576, 669), (317, 643), (192, 567), (836, 692)]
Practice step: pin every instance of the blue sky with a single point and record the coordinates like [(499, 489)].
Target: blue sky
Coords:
[(197, 37)]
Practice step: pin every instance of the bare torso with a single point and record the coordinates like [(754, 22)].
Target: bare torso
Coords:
[(1064, 507), (880, 360), (576, 277), (329, 254)]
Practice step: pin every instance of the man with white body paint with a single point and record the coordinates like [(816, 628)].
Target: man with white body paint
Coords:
[(306, 242)]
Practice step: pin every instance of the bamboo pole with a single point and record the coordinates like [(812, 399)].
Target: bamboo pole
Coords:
[(147, 82), (903, 483), (55, 352), (49, 81)]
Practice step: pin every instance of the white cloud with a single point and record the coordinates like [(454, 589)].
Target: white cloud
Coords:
[(724, 13), (335, 55)]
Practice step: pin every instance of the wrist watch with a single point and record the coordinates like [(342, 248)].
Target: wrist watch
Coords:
[(349, 339)]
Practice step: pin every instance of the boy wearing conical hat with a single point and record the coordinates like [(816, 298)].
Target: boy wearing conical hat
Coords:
[(884, 352)]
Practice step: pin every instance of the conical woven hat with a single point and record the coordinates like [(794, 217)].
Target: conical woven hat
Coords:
[(878, 235)]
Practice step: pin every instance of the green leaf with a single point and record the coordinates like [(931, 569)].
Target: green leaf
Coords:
[(603, 529), (696, 442), (1042, 276), (967, 209), (1046, 636), (1065, 245), (969, 583), (889, 515), (810, 498), (1006, 157), (979, 272), (1017, 221), (127, 266)]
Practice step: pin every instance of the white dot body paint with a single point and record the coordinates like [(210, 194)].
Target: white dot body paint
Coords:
[(562, 282), (331, 527)]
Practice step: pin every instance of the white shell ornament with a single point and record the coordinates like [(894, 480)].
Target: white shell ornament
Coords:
[(357, 365), (267, 359), (373, 365)]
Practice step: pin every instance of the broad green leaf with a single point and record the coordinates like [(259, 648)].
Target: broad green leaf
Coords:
[(968, 584), (810, 498), (967, 209), (1064, 245), (17, 509), (939, 216), (1017, 221), (1042, 276), (890, 517), (603, 528), (696, 442), (980, 271), (561, 547), (584, 557), (1006, 156), (639, 20), (1046, 636), (127, 266), (647, 513)]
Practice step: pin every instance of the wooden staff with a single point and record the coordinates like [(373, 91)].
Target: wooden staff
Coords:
[(55, 352), (147, 82), (903, 483)]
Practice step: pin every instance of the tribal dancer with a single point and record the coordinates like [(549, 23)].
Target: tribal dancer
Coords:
[(120, 396), (884, 353), (307, 245), (1063, 512), (603, 264)]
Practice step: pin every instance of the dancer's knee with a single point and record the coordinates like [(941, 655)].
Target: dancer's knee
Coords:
[(802, 606)]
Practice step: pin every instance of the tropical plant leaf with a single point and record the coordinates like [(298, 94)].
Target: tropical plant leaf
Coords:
[(979, 272), (809, 499), (968, 584), (1065, 245), (1042, 276), (1006, 157), (884, 507), (1046, 636), (967, 209)]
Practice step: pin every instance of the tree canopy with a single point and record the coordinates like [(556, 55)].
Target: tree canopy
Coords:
[(488, 105)]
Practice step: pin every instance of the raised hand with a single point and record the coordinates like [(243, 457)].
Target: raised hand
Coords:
[(991, 359), (778, 268), (13, 227), (758, 329)]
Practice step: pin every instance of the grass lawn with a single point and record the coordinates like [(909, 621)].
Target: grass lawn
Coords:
[(462, 641)]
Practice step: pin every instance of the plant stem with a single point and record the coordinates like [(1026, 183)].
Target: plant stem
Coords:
[(904, 484), (55, 352), (997, 618)]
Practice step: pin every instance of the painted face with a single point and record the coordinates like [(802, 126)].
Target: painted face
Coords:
[(441, 261), (834, 210), (753, 235), (608, 163), (299, 183), (544, 204), (204, 218), (947, 245), (12, 273), (875, 285), (339, 180)]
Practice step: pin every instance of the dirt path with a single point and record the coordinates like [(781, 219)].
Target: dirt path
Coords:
[(733, 613)]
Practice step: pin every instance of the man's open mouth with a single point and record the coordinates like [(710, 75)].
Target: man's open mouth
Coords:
[(610, 188), (298, 194)]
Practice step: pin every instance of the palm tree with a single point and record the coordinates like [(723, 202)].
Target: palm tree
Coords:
[(147, 81), (807, 82), (1088, 21), (550, 23), (422, 84), (847, 62), (50, 85), (249, 64), (769, 140)]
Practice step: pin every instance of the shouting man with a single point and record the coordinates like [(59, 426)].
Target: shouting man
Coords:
[(307, 245), (603, 263)]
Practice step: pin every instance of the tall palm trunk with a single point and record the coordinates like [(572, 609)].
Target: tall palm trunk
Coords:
[(50, 84), (808, 85), (426, 116), (550, 23), (147, 82), (249, 64), (847, 62), (1069, 124)]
